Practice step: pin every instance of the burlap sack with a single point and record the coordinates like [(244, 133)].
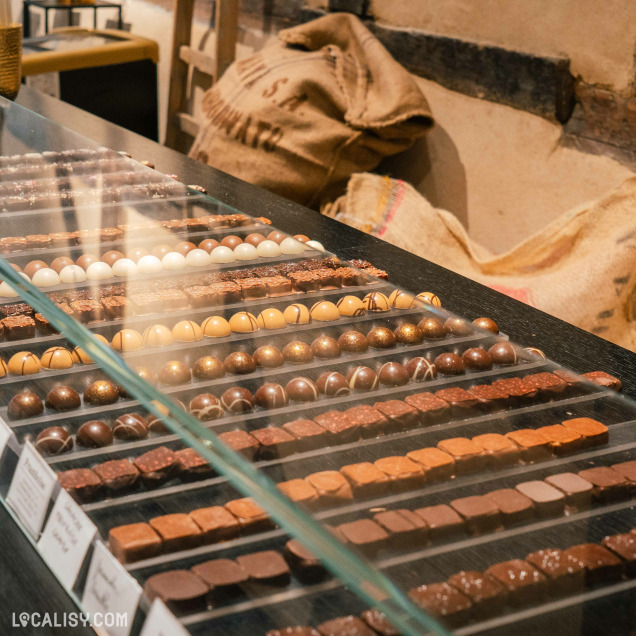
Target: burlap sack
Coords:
[(300, 116), (580, 268)]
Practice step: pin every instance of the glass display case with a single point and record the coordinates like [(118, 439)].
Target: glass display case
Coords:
[(268, 439)]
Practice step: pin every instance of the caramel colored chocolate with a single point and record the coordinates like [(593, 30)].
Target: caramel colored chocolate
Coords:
[(562, 440), (514, 507), (487, 594), (340, 428), (565, 573), (405, 528), (627, 470), (331, 486), (437, 464), (609, 486), (369, 420), (251, 517), (402, 473), (525, 584), (133, 542), (499, 450), (577, 491), (441, 520), (379, 623), (241, 442), (593, 433), (400, 415), (480, 513), (178, 531), (366, 479), (432, 409), (299, 491), (364, 534), (216, 524), (468, 456), (604, 379), (345, 626), (297, 630), (534, 446)]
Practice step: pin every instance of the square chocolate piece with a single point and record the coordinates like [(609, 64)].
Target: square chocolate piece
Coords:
[(241, 442), (468, 456), (565, 573), (378, 622), (266, 568), (251, 517), (437, 465), (216, 524), (400, 415), (443, 601), (481, 514), (499, 450), (624, 545), (603, 379), (547, 500), (201, 296), (274, 442), (307, 433), (432, 409), (364, 534), (516, 389), (406, 529), (534, 446), (487, 594), (627, 470), (344, 626), (514, 507), (117, 474), (116, 307), (18, 327), (402, 472), (340, 429), (525, 584), (461, 401), (191, 465), (577, 491), (366, 479), (156, 466), (489, 398), (563, 441), (370, 421), (548, 384), (87, 310), (81, 483), (299, 491), (181, 590), (223, 576), (304, 564), (601, 565), (178, 531), (134, 542), (331, 486), (609, 486), (145, 303), (593, 433), (442, 521)]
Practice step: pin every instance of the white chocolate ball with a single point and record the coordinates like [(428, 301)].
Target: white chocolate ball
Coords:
[(72, 274), (316, 245), (46, 277), (174, 260), (291, 245), (6, 291), (124, 267), (245, 252), (149, 264), (99, 271), (222, 254), (268, 249), (197, 258)]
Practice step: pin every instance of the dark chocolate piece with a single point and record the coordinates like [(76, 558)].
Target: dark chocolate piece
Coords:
[(341, 429), (516, 389), (237, 399), (344, 626), (205, 407), (101, 393), (488, 397), (548, 384), (399, 415), (241, 442), (503, 353), (117, 474), (223, 576), (174, 372), (181, 590), (156, 466), (333, 384), (449, 364), (63, 398), (609, 486), (369, 420), (393, 374), (624, 545), (362, 378), (302, 389), (81, 483), (130, 426), (420, 369), (53, 441), (604, 379), (379, 623), (24, 404), (274, 442), (266, 568), (18, 327), (94, 434), (461, 401), (432, 409), (271, 396)]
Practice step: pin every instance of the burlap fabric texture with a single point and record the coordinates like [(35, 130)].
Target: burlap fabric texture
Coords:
[(300, 116), (580, 268)]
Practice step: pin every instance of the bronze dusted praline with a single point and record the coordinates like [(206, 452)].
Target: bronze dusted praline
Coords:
[(268, 357), (458, 326), (353, 342), (271, 396), (432, 328), (408, 333), (486, 323), (63, 398), (381, 338), (208, 368), (393, 374), (53, 441), (477, 359), (325, 348), (24, 404), (298, 352), (173, 373), (449, 364), (145, 373), (101, 392), (240, 363), (94, 434)]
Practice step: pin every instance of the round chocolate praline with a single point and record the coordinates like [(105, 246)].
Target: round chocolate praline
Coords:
[(362, 378), (449, 364), (237, 399), (54, 440), (393, 374), (408, 333), (268, 357), (24, 404), (34, 266), (231, 241), (302, 389), (534, 353), (420, 368), (333, 384), (174, 372), (458, 326), (503, 353), (486, 323), (271, 396), (130, 426), (298, 352), (112, 256), (325, 348), (240, 363), (63, 398), (145, 373), (277, 236), (432, 328), (94, 434), (85, 260), (477, 358), (60, 263), (208, 244), (101, 392), (353, 342), (206, 407), (381, 338), (254, 239), (184, 247), (208, 368), (161, 250)]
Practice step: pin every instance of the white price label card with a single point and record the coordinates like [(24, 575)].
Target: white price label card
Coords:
[(111, 595), (5, 435), (31, 488), (162, 622), (66, 538)]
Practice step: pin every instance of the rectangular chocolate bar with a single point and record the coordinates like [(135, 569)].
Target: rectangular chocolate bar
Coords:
[(116, 307), (241, 442), (462, 402), (565, 573), (156, 466), (145, 303), (609, 485), (87, 310), (18, 327), (406, 529), (201, 296), (548, 384), (480, 514), (594, 433), (525, 584), (577, 491), (489, 398), (251, 517), (117, 474), (562, 440), (601, 565), (514, 507), (331, 486), (191, 465), (444, 602), (547, 500), (299, 491), (81, 483), (173, 299), (364, 534)]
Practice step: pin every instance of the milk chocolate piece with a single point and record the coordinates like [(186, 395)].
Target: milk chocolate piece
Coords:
[(340, 428), (468, 456), (462, 402), (604, 379), (18, 327), (534, 446), (299, 491), (548, 384), (181, 590), (307, 433), (437, 464), (514, 507), (406, 529), (400, 415), (297, 630), (487, 594), (609, 486), (156, 466), (601, 565), (304, 564), (516, 389), (251, 517), (223, 576), (266, 568), (562, 440), (241, 442), (480, 513), (369, 420), (574, 381), (525, 584), (133, 542), (432, 409), (81, 483), (379, 623), (499, 450), (87, 310), (345, 626), (366, 479), (593, 433), (402, 472), (216, 524), (547, 500), (274, 442), (624, 545), (191, 465), (116, 307), (364, 534), (331, 487), (443, 601), (178, 531), (489, 398), (441, 520), (565, 573), (577, 491), (627, 470), (117, 474)]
